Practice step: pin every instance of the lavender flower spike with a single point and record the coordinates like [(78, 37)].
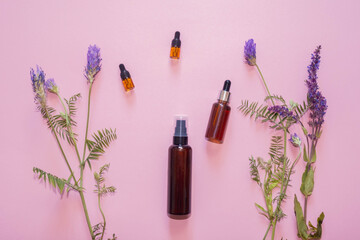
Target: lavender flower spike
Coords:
[(250, 52), (37, 82), (51, 86), (317, 102), (295, 140), (93, 63)]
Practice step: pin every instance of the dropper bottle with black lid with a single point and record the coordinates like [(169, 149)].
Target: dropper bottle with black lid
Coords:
[(175, 46), (179, 173), (219, 116), (126, 78)]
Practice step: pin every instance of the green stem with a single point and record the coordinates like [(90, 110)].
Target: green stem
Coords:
[(86, 213), (82, 166), (305, 207), (70, 129), (268, 92), (267, 231), (87, 126), (308, 167), (59, 144), (273, 229), (81, 185), (103, 216), (267, 89)]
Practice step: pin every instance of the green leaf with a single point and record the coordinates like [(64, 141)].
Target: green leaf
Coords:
[(318, 134), (262, 211), (102, 140), (72, 104), (260, 208), (101, 189), (254, 172), (316, 232), (273, 185), (276, 97), (269, 201), (259, 111), (300, 221), (313, 158), (305, 157), (305, 131), (55, 181), (307, 183), (300, 110)]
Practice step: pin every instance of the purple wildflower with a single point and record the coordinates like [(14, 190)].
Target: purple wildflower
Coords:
[(295, 140), (250, 52), (282, 111), (37, 82), (317, 102), (93, 62), (51, 86)]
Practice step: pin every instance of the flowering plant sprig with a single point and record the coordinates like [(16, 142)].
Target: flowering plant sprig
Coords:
[(317, 107), (278, 168), (61, 125)]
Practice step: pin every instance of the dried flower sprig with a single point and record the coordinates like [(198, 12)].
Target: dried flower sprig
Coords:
[(281, 116), (37, 82), (93, 63), (317, 106), (62, 124)]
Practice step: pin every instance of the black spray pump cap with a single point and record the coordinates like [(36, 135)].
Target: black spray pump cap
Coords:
[(227, 85), (180, 135), (180, 129), (124, 74)]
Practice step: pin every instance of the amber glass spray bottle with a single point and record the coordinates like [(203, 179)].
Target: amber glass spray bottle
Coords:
[(175, 46), (179, 174), (126, 78), (219, 116)]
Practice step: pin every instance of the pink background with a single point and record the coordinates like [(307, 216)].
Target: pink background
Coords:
[(56, 35)]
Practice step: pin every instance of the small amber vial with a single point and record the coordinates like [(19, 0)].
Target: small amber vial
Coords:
[(126, 78), (175, 46)]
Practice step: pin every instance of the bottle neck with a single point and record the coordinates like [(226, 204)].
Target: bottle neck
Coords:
[(224, 96), (180, 140)]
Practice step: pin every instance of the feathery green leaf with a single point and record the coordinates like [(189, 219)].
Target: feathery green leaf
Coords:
[(56, 182), (102, 140)]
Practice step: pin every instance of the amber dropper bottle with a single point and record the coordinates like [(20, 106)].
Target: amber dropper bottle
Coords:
[(219, 116), (175, 46), (179, 174), (126, 78)]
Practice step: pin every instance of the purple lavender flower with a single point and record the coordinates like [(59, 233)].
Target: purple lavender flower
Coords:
[(93, 63), (282, 111), (51, 86), (37, 82), (317, 102), (250, 52), (295, 140)]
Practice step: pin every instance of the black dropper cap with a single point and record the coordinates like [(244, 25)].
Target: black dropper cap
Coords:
[(177, 35), (227, 85), (124, 74), (180, 135), (176, 41)]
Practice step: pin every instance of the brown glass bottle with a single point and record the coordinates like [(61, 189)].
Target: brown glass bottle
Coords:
[(126, 78), (175, 46), (219, 116), (179, 174)]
